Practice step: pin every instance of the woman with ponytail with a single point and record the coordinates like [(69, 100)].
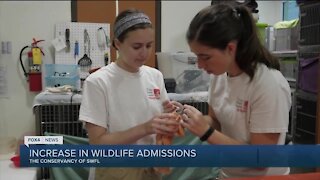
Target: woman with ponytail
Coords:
[(249, 99)]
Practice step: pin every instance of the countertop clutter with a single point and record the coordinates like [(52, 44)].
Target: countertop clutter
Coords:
[(9, 171)]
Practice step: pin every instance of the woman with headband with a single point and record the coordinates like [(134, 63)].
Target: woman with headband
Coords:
[(249, 99), (122, 102)]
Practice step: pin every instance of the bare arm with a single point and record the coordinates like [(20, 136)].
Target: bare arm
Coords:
[(211, 118), (198, 125)]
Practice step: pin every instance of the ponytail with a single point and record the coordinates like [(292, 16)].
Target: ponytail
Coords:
[(251, 51), (215, 26)]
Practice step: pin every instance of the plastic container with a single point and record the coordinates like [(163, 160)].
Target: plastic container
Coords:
[(286, 39), (62, 74), (308, 73), (183, 68), (261, 27), (288, 67), (173, 64), (61, 70), (61, 81), (270, 40)]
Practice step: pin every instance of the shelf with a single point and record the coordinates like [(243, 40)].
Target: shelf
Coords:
[(290, 79), (305, 114), (306, 95), (309, 50), (287, 53), (305, 131)]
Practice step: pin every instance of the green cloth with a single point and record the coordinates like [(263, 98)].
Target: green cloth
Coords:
[(189, 173), (67, 173), (195, 173), (286, 24)]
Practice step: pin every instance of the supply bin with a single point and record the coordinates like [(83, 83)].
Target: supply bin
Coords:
[(62, 74), (183, 68), (286, 38), (261, 30), (308, 73)]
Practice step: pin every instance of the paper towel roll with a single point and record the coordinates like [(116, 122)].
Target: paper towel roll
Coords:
[(101, 38)]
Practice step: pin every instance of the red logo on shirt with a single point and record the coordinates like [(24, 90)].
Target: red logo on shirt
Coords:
[(156, 93), (153, 93), (242, 105)]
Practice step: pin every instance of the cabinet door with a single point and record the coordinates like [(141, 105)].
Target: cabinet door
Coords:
[(96, 11), (105, 12)]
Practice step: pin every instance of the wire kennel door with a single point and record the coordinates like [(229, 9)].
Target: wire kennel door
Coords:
[(201, 106), (58, 118), (64, 118)]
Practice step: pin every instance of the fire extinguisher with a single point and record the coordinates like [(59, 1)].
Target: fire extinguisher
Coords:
[(34, 62)]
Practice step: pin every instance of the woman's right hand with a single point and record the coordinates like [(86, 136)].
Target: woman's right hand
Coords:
[(194, 121), (164, 124)]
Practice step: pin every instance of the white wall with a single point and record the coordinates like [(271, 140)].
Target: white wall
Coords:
[(20, 22), (270, 12), (23, 20), (175, 19), (176, 16)]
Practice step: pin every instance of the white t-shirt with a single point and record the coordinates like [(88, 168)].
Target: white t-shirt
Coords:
[(243, 107), (118, 100)]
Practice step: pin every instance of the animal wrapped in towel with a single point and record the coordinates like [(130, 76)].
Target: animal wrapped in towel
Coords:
[(167, 140)]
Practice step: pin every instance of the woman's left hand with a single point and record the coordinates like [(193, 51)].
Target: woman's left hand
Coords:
[(171, 106), (193, 120)]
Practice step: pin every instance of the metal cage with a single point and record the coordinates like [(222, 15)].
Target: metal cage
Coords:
[(201, 106), (58, 118)]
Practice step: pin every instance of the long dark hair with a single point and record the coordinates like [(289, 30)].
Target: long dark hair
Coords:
[(125, 13), (215, 26), (251, 4)]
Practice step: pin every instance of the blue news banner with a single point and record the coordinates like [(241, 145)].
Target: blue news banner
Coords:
[(170, 156)]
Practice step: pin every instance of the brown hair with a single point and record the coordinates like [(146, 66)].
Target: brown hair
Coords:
[(217, 25)]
